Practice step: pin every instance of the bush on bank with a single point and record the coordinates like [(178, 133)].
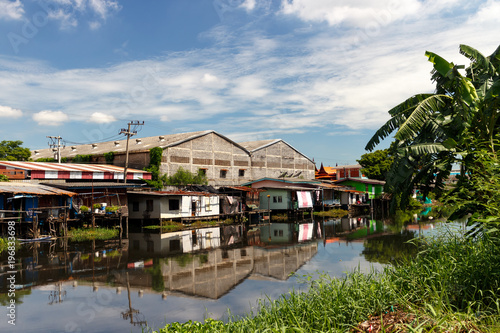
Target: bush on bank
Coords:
[(452, 285)]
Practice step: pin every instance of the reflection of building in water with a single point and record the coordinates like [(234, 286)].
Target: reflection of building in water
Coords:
[(175, 242), (185, 241), (215, 273)]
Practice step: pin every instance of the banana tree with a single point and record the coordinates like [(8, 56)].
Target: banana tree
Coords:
[(434, 131)]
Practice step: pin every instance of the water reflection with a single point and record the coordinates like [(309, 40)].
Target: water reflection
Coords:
[(181, 275)]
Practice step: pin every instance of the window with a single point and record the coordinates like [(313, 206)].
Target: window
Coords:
[(241, 173), (135, 206), (223, 173), (175, 245), (203, 171), (149, 205), (207, 204), (173, 204), (278, 233), (277, 199), (150, 246)]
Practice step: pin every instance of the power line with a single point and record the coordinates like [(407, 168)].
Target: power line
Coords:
[(128, 133), (56, 146)]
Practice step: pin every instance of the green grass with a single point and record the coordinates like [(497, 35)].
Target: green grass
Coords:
[(4, 244), (85, 234), (335, 213), (452, 285)]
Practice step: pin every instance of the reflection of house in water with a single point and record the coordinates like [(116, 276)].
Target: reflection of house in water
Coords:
[(215, 273), (175, 242)]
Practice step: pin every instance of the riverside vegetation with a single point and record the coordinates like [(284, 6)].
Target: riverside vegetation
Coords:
[(452, 285)]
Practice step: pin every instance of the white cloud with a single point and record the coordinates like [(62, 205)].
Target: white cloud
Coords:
[(101, 118), (209, 78), (70, 12), (363, 13), (249, 5), (50, 118), (488, 13), (8, 112), (12, 10)]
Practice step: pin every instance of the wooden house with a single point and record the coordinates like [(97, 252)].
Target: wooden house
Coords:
[(172, 205), (287, 194)]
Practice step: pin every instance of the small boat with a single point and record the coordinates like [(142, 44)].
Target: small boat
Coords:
[(38, 239)]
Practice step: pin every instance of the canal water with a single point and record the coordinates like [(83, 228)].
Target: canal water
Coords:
[(152, 279)]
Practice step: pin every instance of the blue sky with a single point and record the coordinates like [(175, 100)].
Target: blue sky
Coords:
[(319, 74)]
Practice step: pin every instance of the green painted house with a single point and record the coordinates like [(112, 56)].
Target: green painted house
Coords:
[(373, 188)]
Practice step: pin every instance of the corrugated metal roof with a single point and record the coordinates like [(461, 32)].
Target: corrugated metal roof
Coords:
[(135, 145), (46, 166), (253, 146), (165, 193), (119, 146), (76, 185), (256, 145), (28, 188), (45, 170)]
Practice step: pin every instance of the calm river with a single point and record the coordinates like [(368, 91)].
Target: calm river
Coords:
[(152, 279)]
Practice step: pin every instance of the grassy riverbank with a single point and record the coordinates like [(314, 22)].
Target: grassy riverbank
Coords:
[(85, 234), (453, 285)]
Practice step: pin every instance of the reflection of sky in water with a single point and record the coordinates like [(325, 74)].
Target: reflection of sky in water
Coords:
[(83, 310)]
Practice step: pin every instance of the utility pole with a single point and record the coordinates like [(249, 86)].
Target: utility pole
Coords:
[(57, 145), (129, 133)]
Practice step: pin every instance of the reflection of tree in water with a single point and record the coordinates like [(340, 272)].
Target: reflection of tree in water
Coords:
[(389, 248), (158, 284), (18, 296)]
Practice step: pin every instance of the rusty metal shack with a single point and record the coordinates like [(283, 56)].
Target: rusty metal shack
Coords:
[(33, 206)]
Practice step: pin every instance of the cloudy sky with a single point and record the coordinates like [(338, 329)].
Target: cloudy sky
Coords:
[(320, 74)]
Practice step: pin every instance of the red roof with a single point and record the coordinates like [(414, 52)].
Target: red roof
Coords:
[(45, 170)]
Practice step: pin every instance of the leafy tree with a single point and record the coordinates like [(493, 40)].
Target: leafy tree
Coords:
[(438, 130), (185, 177), (12, 151), (4, 178), (377, 164)]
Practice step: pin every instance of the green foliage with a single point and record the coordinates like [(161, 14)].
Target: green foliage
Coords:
[(158, 284), (477, 192), (4, 178), (97, 206), (184, 177), (4, 244), (181, 177), (155, 155), (111, 209), (46, 159), (433, 132), (335, 213), (84, 209), (82, 158), (377, 164), (85, 234), (12, 151), (109, 157)]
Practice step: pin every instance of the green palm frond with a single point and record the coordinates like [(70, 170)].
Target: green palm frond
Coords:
[(426, 148), (478, 60), (399, 114), (420, 115)]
